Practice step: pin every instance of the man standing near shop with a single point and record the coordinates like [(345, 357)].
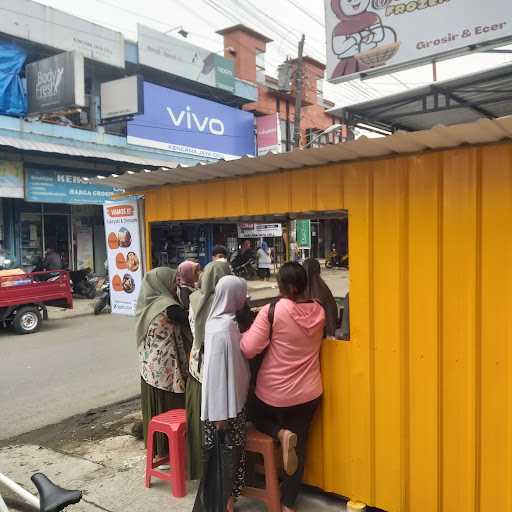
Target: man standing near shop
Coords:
[(52, 260)]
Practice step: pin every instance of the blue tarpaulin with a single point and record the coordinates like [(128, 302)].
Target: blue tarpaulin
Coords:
[(13, 101)]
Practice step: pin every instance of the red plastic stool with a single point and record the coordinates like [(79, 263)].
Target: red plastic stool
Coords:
[(174, 425), (256, 442)]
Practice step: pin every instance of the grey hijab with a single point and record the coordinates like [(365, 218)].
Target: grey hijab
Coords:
[(201, 300), (155, 297), (226, 372)]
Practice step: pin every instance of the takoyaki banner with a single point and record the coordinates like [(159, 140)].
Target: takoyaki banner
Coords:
[(122, 230), (365, 36)]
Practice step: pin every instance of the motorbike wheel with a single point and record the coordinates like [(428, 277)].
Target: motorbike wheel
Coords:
[(328, 264), (100, 305)]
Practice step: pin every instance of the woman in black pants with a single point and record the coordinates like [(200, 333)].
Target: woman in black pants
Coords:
[(289, 384)]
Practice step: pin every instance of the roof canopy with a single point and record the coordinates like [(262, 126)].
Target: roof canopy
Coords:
[(486, 94), (439, 137)]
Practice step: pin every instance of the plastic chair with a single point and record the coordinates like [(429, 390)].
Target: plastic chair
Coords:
[(264, 445), (174, 425)]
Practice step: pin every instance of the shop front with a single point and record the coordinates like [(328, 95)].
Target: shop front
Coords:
[(60, 210), (417, 407)]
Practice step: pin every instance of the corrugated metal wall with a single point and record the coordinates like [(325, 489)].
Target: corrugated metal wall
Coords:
[(417, 410)]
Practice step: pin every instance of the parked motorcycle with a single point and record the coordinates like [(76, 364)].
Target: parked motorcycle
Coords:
[(83, 283), (104, 299), (246, 269)]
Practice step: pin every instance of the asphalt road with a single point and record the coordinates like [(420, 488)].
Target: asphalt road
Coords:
[(68, 367)]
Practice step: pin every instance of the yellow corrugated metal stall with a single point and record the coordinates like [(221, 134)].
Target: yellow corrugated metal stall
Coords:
[(417, 412)]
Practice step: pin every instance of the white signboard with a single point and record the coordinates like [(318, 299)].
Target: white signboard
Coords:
[(259, 230), (44, 25), (387, 35), (123, 97), (124, 254), (176, 56), (84, 248), (11, 179)]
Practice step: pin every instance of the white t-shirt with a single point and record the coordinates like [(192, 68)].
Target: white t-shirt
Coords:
[(264, 259)]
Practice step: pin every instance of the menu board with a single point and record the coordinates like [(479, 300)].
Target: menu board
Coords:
[(122, 232)]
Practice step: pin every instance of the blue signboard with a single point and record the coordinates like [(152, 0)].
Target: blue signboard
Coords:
[(183, 123), (64, 187)]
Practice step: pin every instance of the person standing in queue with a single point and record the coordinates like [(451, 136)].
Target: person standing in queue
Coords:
[(187, 277), (200, 306), (163, 343), (226, 377), (317, 289), (219, 252), (289, 385)]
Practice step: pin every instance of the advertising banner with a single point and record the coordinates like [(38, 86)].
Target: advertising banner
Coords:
[(303, 234), (122, 230), (121, 98), (68, 187), (179, 122), (56, 84), (268, 134), (50, 27), (389, 35), (176, 56), (259, 230), (11, 179)]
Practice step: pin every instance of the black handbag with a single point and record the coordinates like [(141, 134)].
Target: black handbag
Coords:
[(218, 474)]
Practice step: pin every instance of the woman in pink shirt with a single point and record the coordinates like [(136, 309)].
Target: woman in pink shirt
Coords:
[(289, 383)]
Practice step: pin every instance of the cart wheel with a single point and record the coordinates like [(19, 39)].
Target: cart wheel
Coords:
[(27, 320)]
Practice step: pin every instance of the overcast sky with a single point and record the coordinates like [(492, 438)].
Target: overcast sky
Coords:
[(282, 20)]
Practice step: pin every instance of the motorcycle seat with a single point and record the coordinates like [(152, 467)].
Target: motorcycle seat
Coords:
[(53, 498)]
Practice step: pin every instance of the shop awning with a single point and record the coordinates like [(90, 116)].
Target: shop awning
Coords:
[(485, 94), (81, 152), (438, 137)]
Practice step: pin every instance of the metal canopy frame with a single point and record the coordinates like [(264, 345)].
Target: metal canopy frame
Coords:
[(481, 95)]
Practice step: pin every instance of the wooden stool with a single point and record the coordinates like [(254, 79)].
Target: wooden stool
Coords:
[(257, 442)]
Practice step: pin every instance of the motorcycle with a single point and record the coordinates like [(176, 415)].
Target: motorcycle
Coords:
[(104, 298), (246, 270), (83, 283)]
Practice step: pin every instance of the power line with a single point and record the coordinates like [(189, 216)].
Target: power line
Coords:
[(307, 13)]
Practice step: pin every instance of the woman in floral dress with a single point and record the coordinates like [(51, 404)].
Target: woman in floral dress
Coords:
[(163, 342)]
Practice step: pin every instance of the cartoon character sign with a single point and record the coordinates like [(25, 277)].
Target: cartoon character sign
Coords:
[(360, 40)]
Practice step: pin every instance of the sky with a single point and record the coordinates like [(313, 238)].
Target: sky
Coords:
[(282, 20)]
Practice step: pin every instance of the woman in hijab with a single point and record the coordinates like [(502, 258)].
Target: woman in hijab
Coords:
[(226, 375), (200, 305), (186, 277), (317, 289), (163, 342)]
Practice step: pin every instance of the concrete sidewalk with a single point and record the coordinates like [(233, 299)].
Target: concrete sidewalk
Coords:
[(96, 453)]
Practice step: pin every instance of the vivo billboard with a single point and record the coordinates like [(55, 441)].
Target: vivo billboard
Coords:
[(179, 122), (388, 35)]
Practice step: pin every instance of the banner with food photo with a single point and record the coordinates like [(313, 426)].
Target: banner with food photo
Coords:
[(122, 231)]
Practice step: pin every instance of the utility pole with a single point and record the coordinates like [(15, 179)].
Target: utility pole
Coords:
[(299, 79)]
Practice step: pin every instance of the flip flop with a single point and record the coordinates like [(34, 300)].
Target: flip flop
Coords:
[(288, 445)]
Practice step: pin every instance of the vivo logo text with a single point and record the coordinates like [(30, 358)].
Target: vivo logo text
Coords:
[(192, 121)]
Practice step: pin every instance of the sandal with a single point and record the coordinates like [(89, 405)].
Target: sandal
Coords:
[(288, 445)]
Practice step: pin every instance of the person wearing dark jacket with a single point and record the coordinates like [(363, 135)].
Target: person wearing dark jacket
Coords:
[(52, 260), (317, 289)]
